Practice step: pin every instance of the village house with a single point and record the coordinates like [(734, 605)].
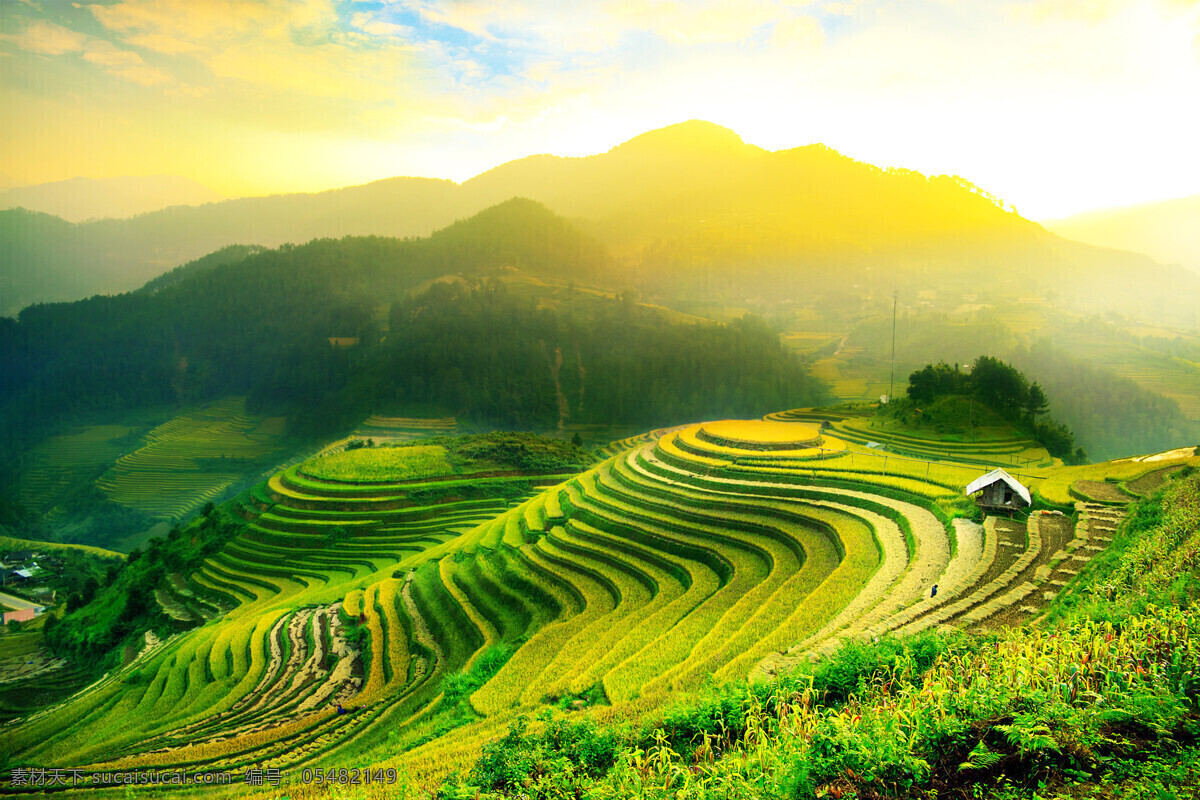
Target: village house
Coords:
[(999, 491)]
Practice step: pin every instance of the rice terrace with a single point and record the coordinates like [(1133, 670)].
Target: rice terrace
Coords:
[(394, 609), (690, 400)]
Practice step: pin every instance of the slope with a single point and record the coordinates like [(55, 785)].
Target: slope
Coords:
[(691, 210), (1165, 231)]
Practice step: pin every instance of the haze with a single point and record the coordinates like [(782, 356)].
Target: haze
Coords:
[(1055, 107)]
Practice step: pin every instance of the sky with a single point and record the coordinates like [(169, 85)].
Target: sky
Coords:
[(1054, 106)]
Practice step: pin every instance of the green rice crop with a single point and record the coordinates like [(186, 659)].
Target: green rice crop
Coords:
[(381, 464)]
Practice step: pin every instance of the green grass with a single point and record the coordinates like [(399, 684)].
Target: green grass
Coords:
[(380, 464)]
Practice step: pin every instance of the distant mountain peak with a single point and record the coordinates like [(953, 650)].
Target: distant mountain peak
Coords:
[(78, 199), (693, 136)]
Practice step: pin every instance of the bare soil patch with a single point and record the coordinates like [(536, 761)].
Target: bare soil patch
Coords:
[(1102, 491), (1152, 480)]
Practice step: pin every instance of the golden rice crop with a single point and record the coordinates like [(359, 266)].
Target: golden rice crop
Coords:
[(353, 604), (760, 431), (504, 690), (375, 676), (631, 634)]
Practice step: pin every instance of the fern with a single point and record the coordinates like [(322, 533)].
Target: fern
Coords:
[(1029, 736), (980, 758)]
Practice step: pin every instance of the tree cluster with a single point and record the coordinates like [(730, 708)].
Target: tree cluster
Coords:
[(99, 617), (492, 357), (1003, 388)]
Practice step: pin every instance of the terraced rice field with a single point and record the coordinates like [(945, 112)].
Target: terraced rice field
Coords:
[(404, 429), (848, 381), (808, 341), (731, 550), (1012, 451), (61, 461), (1179, 380), (180, 465)]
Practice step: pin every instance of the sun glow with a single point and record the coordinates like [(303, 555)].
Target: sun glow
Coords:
[(1025, 99)]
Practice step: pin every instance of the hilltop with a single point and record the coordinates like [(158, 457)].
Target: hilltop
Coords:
[(1165, 231)]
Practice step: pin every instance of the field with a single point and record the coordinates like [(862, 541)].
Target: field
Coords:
[(436, 607), (60, 462), (191, 459)]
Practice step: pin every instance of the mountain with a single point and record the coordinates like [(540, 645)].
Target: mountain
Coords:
[(1166, 231), (259, 324), (79, 199), (113, 255), (690, 213), (218, 325)]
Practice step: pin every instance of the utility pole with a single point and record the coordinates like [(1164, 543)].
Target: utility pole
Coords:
[(892, 379)]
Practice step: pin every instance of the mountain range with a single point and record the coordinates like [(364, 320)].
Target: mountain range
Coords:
[(1167, 231), (80, 199), (688, 212)]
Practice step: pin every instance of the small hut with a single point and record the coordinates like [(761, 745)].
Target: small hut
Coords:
[(999, 491)]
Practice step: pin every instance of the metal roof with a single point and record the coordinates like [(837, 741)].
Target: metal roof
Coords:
[(999, 475)]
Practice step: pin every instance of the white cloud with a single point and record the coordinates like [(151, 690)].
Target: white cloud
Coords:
[(371, 24), (48, 38), (98, 51)]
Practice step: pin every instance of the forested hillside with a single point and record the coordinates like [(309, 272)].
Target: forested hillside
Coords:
[(491, 356), (330, 332), (691, 212), (214, 331)]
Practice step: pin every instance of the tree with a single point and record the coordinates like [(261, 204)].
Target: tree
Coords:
[(935, 381), (922, 385), (1036, 402), (88, 591), (999, 385)]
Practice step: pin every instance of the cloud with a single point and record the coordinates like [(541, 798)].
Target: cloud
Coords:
[(695, 23), (98, 51), (329, 70), (842, 9), (184, 27), (798, 33), (298, 46), (141, 74), (369, 23), (48, 38)]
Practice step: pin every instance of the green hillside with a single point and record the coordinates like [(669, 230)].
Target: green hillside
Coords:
[(440, 590)]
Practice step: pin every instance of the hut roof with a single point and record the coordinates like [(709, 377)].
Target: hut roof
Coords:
[(999, 475)]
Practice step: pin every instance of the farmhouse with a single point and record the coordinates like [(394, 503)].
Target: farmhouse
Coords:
[(999, 490)]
